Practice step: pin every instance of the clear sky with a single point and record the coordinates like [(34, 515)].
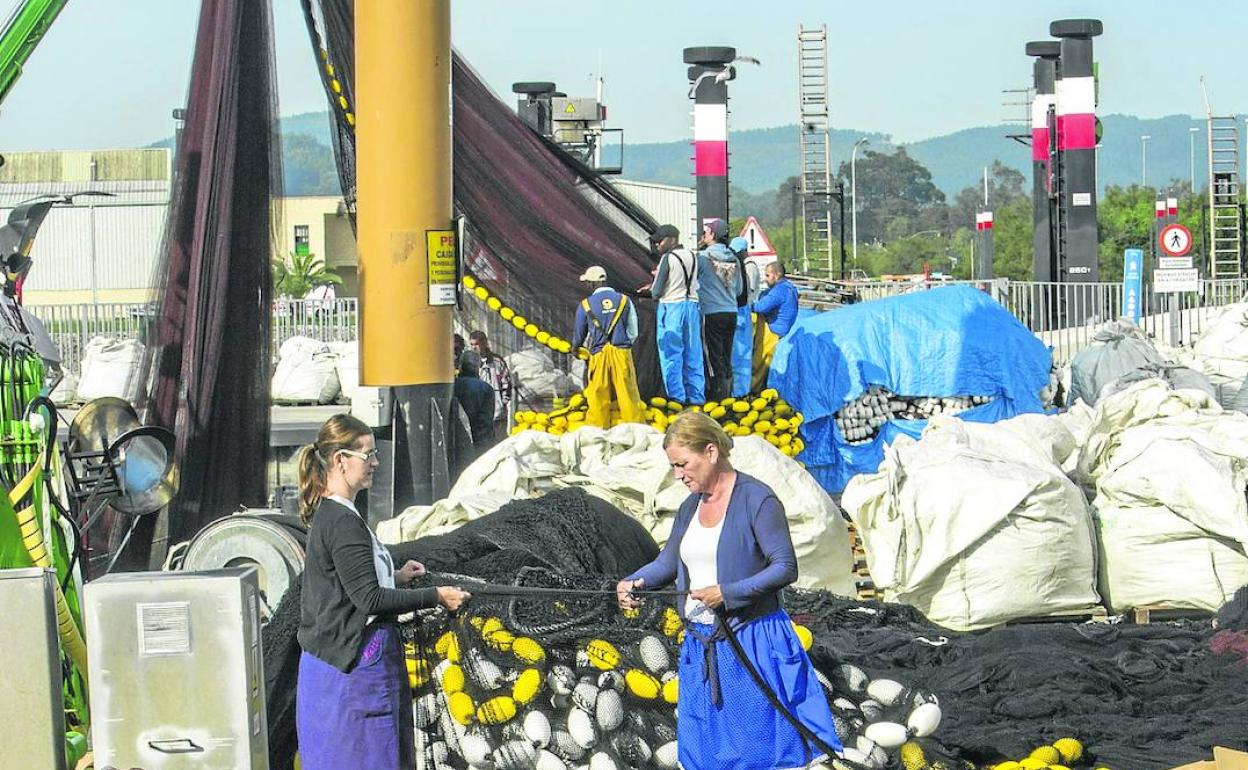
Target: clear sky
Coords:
[(110, 71)]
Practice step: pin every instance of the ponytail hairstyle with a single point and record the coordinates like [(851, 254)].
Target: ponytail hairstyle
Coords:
[(342, 431)]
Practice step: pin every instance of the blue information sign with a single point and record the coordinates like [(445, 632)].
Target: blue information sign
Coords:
[(1132, 283)]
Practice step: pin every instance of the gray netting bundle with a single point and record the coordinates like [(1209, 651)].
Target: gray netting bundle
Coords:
[(860, 420)]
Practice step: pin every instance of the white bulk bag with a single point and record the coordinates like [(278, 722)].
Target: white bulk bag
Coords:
[(976, 524), (306, 372), (626, 466), (110, 367)]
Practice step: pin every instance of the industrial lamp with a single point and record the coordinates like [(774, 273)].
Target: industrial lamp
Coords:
[(116, 460)]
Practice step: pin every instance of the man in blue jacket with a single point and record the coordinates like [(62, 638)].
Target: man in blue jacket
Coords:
[(777, 306), (719, 284), (606, 325)]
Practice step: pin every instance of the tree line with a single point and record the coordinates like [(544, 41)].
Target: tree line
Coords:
[(905, 223)]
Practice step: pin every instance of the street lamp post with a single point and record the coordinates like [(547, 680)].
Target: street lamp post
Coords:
[(853, 192), (1191, 155), (1144, 160)]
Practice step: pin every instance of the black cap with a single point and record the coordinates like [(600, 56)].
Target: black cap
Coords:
[(664, 231)]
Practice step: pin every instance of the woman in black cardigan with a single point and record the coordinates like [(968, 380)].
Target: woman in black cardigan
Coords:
[(353, 704)]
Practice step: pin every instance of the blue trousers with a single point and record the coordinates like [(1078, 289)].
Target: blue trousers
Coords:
[(680, 351), (362, 719), (742, 353)]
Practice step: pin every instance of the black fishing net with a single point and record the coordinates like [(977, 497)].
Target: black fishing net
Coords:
[(565, 533), (207, 356), (1144, 697)]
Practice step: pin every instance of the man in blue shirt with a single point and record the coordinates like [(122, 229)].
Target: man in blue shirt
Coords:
[(719, 284), (777, 306), (606, 325)]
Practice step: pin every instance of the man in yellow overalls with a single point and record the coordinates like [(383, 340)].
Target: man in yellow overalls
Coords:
[(606, 326)]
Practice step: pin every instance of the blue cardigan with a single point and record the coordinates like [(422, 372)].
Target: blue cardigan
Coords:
[(755, 557)]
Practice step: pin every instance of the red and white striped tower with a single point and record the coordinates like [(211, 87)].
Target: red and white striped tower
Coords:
[(709, 72), (1043, 149), (1076, 144)]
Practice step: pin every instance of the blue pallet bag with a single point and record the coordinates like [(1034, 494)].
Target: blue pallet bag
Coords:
[(948, 341)]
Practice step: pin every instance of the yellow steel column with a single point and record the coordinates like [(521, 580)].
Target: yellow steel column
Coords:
[(406, 241), (403, 156)]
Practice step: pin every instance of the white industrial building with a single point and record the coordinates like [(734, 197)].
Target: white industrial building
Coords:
[(103, 248)]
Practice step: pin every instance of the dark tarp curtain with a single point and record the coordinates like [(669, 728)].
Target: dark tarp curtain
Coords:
[(208, 358)]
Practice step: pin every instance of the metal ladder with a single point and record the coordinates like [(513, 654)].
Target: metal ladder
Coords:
[(1226, 246), (813, 125)]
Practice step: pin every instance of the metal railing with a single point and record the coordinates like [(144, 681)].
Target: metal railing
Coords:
[(71, 327), (1063, 315)]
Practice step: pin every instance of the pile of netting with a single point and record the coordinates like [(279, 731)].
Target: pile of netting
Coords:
[(566, 532), (541, 670), (1138, 697)]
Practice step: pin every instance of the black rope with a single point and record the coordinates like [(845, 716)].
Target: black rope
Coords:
[(497, 589)]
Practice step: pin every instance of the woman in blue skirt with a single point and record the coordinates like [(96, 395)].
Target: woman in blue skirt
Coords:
[(353, 702), (730, 549)]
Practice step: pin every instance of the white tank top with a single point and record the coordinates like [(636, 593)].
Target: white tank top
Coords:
[(699, 549)]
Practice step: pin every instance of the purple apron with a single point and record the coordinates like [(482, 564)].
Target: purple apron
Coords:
[(358, 720)]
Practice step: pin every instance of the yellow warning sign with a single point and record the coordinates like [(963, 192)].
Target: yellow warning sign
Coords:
[(570, 109), (440, 252)]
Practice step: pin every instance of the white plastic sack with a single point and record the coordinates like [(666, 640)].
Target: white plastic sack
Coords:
[(1169, 470), (537, 378), (347, 367), (66, 391), (110, 367), (627, 467), (976, 524), (1118, 348), (1223, 346), (306, 372)]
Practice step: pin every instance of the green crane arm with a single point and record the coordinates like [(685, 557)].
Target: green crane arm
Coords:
[(21, 33)]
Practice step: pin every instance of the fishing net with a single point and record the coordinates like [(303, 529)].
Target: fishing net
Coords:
[(208, 358)]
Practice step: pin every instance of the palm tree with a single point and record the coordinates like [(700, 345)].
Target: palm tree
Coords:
[(296, 276)]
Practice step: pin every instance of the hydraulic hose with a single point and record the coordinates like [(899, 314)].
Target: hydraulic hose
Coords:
[(36, 546)]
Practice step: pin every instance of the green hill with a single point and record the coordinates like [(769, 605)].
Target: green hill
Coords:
[(761, 159)]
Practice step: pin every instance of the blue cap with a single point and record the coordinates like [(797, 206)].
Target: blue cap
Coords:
[(739, 245)]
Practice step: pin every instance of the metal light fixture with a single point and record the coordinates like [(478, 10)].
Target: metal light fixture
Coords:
[(115, 459)]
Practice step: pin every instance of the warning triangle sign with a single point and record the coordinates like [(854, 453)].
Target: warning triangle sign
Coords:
[(760, 246)]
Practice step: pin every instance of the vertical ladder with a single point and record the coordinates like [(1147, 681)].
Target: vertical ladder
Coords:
[(1226, 248), (813, 125), (1061, 310)]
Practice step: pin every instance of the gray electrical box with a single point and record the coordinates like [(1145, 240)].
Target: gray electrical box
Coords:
[(32, 712), (573, 108), (177, 679)]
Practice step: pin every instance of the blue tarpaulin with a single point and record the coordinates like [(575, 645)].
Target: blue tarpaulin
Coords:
[(948, 341)]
